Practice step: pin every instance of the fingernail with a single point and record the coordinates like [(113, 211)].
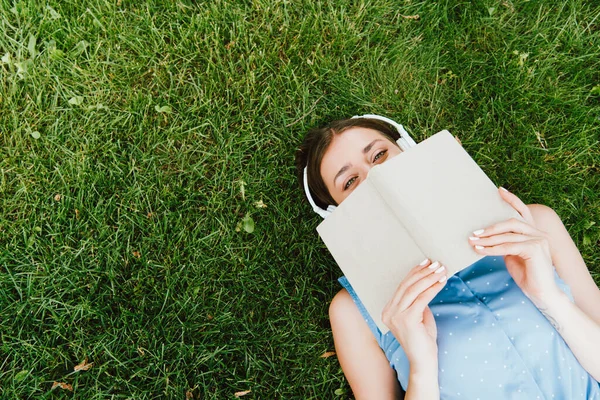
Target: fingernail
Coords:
[(425, 261), (479, 247), (478, 232), (503, 189), (473, 238), (439, 270), (442, 279), (434, 265)]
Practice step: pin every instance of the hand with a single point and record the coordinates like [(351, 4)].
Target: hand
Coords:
[(409, 318), (525, 248)]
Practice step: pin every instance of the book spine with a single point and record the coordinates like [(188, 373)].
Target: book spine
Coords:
[(420, 235)]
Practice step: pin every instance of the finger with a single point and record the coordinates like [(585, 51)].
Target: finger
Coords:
[(416, 274), (525, 249), (498, 239), (517, 204), (415, 312), (420, 286), (416, 309), (424, 264), (510, 225), (429, 321), (418, 268)]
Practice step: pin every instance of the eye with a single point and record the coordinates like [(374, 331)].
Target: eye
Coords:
[(379, 155), (349, 183)]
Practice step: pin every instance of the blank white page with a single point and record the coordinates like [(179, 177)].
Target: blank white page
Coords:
[(441, 196), (371, 247)]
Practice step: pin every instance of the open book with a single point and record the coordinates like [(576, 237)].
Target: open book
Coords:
[(423, 203)]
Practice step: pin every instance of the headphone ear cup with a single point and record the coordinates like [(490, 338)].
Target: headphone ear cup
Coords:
[(323, 213), (407, 141)]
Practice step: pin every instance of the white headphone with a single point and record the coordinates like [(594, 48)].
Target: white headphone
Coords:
[(405, 142)]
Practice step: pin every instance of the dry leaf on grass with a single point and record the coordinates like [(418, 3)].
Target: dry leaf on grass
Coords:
[(415, 17), (62, 385), (242, 393), (137, 254), (260, 204), (83, 366), (189, 395), (328, 354), (57, 197)]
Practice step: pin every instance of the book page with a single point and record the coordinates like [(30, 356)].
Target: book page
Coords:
[(441, 196), (371, 247)]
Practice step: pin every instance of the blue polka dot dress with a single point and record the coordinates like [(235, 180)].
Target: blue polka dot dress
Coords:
[(493, 343)]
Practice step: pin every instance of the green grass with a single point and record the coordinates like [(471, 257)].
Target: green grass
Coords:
[(118, 238)]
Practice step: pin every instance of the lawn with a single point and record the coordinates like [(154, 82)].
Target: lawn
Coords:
[(142, 140)]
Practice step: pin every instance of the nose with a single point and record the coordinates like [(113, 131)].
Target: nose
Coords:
[(365, 168)]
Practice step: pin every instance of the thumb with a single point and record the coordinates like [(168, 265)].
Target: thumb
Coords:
[(429, 322)]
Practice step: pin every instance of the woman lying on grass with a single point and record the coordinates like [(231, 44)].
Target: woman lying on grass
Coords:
[(521, 323)]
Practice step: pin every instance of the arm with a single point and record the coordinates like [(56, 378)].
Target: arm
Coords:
[(579, 323), (410, 320), (423, 386), (529, 256), (568, 261), (365, 366), (578, 330)]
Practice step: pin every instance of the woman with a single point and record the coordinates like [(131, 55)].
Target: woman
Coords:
[(521, 323)]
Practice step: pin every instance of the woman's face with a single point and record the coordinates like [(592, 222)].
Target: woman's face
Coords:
[(349, 158)]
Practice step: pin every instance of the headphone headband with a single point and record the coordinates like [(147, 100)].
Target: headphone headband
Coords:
[(405, 142)]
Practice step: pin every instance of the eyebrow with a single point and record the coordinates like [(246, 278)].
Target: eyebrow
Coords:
[(347, 166), (341, 171), (370, 146)]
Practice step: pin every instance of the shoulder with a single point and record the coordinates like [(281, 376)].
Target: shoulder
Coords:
[(543, 215), (347, 323), (567, 260), (547, 221), (341, 298), (364, 364), (343, 308)]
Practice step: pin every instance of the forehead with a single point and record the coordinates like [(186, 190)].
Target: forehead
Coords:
[(347, 145), (353, 139)]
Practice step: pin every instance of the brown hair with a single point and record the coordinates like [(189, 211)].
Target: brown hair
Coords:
[(315, 144)]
